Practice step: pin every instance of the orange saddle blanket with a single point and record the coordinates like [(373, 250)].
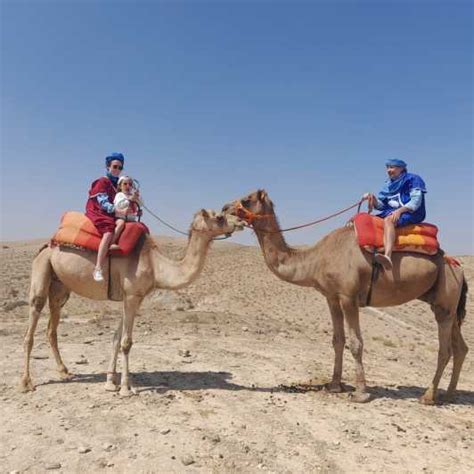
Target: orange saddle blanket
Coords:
[(420, 238), (77, 230)]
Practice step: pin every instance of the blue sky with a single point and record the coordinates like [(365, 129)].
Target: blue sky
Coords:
[(211, 100)]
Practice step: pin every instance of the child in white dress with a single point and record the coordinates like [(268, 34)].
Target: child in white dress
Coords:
[(126, 206)]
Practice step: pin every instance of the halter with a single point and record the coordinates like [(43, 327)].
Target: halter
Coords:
[(248, 216)]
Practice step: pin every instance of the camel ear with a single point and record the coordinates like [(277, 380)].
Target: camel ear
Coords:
[(204, 213), (261, 194)]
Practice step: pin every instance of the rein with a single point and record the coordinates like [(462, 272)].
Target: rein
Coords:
[(251, 217), (177, 230)]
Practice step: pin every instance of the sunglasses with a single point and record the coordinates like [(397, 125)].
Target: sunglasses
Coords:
[(126, 184), (117, 167)]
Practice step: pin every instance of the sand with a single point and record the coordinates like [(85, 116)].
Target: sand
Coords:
[(211, 364)]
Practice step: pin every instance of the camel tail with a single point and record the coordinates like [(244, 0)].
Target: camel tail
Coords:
[(461, 310)]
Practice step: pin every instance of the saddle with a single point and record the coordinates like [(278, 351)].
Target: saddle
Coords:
[(420, 238), (77, 230)]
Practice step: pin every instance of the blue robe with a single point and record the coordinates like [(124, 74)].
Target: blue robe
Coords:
[(396, 193)]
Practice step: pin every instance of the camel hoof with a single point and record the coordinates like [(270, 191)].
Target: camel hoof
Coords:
[(111, 387), (360, 397), (26, 385), (427, 400), (65, 375), (334, 387), (127, 392)]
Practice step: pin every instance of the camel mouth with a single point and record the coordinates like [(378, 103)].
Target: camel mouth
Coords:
[(230, 209), (237, 223)]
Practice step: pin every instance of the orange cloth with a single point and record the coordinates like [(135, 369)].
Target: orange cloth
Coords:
[(420, 238), (78, 230)]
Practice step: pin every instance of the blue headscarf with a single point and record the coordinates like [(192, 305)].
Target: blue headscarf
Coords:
[(393, 186), (396, 162), (108, 159), (112, 157)]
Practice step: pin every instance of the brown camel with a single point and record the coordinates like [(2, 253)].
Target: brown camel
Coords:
[(338, 268), (58, 271)]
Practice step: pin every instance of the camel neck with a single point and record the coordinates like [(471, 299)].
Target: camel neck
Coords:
[(292, 265), (174, 274)]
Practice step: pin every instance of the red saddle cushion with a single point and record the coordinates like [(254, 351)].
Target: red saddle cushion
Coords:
[(76, 229), (420, 238)]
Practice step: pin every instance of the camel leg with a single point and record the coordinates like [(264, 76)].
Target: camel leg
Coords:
[(58, 296), (111, 385), (460, 351), (40, 281), (356, 346), (130, 307), (338, 341), (445, 324)]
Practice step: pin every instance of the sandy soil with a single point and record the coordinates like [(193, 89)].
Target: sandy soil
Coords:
[(210, 364)]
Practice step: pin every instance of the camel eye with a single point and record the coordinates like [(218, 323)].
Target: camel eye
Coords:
[(246, 202)]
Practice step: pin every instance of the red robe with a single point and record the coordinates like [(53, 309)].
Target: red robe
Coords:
[(103, 221)]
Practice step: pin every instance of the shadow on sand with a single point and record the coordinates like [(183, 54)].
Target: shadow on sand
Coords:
[(406, 392), (162, 382)]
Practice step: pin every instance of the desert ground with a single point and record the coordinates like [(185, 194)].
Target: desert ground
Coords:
[(221, 370)]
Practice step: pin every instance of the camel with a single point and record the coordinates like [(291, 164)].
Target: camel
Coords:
[(58, 271), (338, 268)]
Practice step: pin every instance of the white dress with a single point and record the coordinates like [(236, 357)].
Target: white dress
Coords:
[(123, 207)]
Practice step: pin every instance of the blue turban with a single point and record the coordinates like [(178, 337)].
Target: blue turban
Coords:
[(396, 162), (114, 156)]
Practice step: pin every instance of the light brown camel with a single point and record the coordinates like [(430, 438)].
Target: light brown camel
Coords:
[(58, 271), (341, 271)]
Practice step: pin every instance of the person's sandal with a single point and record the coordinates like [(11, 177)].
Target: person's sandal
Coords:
[(97, 274)]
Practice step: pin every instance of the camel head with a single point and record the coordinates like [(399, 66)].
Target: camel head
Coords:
[(214, 224), (251, 208)]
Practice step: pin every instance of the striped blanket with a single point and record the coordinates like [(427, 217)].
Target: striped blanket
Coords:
[(77, 230), (421, 238)]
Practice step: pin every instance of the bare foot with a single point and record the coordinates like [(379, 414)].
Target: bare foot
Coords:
[(385, 261)]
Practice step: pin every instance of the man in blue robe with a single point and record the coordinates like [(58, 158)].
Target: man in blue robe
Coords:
[(401, 202)]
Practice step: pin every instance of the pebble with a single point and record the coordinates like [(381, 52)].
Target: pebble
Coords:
[(245, 329), (187, 459), (215, 438), (52, 466), (165, 431), (83, 450), (81, 362)]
